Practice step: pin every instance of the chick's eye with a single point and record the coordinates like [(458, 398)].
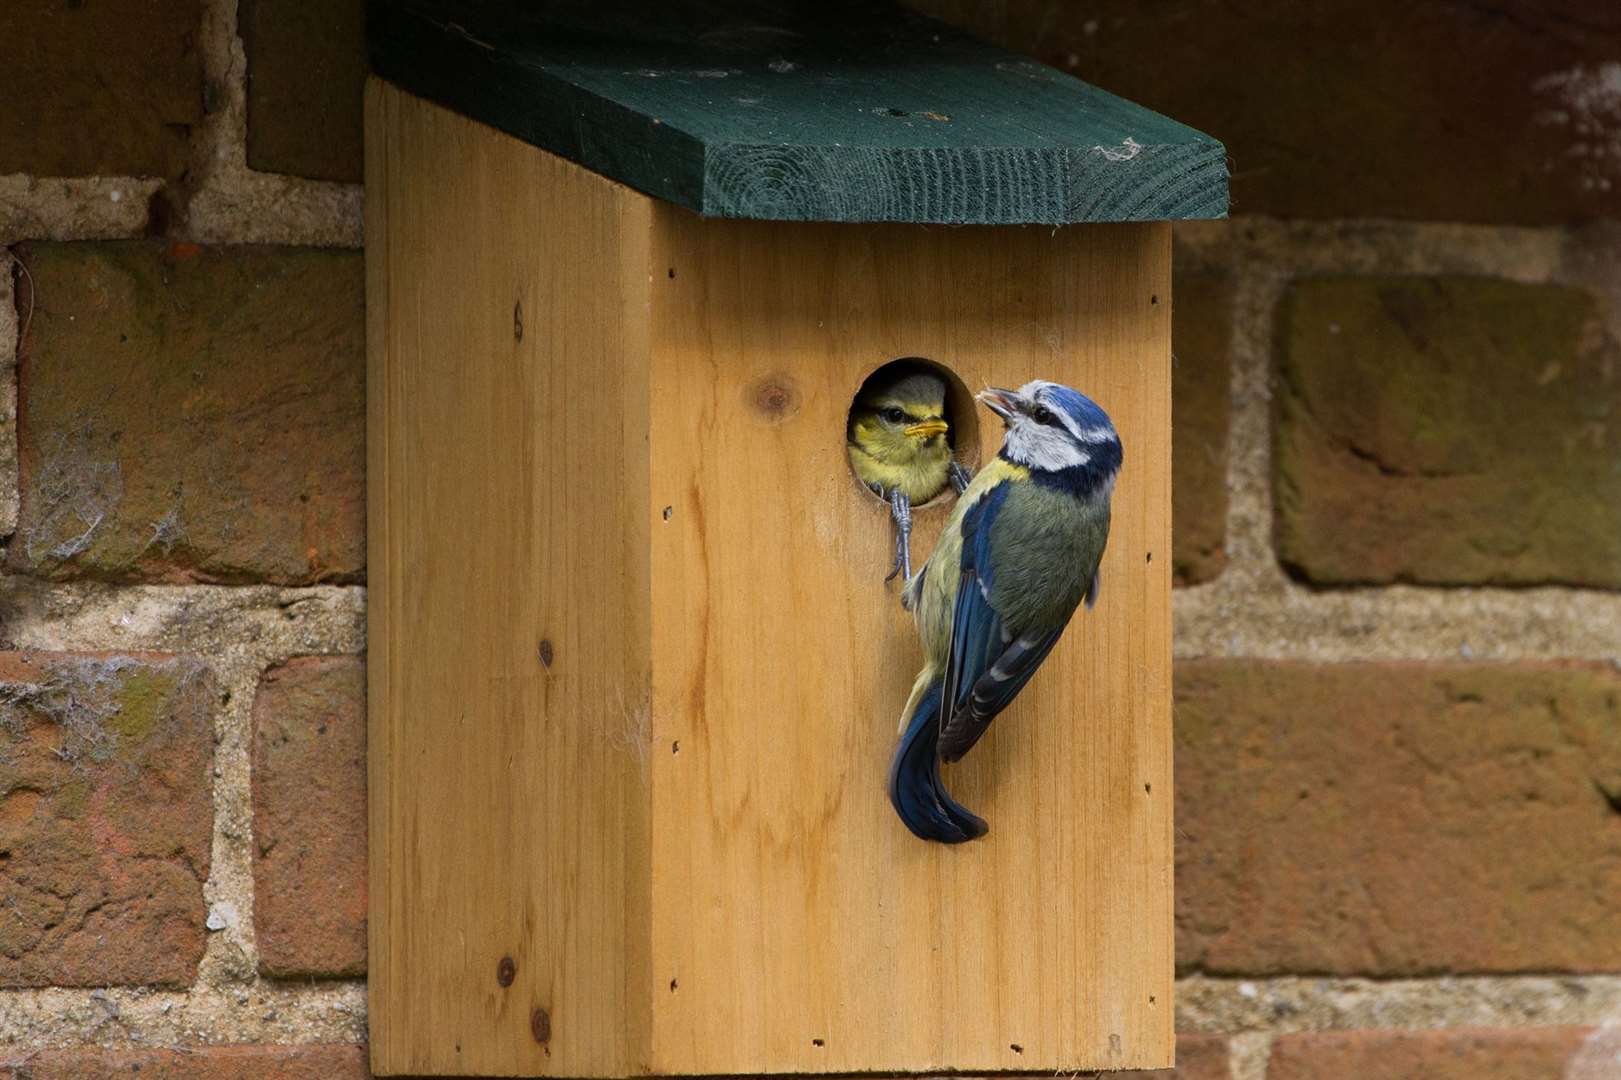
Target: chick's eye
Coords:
[(1041, 414), (893, 415)]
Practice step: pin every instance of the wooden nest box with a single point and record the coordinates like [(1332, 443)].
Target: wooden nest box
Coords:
[(634, 674)]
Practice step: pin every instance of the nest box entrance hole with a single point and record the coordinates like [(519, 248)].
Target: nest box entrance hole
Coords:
[(960, 415)]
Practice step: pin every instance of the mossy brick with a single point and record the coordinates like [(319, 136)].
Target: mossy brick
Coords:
[(1533, 1053), (306, 72), (1446, 431), (1335, 109), (109, 88), (1201, 417), (313, 1061), (1397, 819), (309, 818), (106, 818), (192, 415)]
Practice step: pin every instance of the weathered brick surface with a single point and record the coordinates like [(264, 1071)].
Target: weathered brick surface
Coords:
[(1201, 416), (309, 817), (1198, 1057), (111, 87), (1447, 431), (106, 818), (306, 70), (1397, 819), (193, 415), (314, 1062), (1458, 1054), (1333, 108)]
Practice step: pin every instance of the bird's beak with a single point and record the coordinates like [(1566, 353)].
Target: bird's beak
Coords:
[(1003, 403), (925, 429)]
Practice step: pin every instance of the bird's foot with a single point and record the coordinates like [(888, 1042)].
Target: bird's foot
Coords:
[(959, 477), (900, 508)]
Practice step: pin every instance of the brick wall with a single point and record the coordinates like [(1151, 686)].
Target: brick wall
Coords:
[(1398, 533)]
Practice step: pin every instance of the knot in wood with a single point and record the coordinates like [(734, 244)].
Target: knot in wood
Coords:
[(775, 397), (540, 1026)]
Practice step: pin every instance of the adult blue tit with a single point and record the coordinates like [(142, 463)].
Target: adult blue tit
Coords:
[(1020, 553), (897, 442)]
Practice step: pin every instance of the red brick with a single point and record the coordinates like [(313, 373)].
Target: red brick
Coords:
[(306, 71), (1201, 416), (314, 1062), (106, 818), (1460, 1054), (1447, 431), (309, 818), (193, 414), (1504, 112), (1397, 819), (108, 88), (1198, 1057)]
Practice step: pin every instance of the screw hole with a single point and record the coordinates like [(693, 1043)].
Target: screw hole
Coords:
[(1016, 1048), (818, 1042), (1151, 999), (1150, 556), (1148, 789), (668, 510), (672, 273), (675, 746), (672, 986), (1153, 299)]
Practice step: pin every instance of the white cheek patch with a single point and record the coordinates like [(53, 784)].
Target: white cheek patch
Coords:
[(1042, 447)]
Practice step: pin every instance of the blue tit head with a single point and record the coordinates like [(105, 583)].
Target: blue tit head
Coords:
[(1054, 429)]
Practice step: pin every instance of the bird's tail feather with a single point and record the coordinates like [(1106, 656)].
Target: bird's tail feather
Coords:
[(915, 789)]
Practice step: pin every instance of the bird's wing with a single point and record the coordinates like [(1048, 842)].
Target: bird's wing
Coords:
[(987, 666), (976, 627), (993, 691)]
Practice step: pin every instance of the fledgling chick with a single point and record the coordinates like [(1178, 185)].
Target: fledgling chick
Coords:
[(898, 447), (1020, 553)]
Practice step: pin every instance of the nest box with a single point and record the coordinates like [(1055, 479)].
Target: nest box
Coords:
[(634, 675)]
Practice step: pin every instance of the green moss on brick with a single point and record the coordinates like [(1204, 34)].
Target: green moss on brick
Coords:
[(1446, 431), (192, 415)]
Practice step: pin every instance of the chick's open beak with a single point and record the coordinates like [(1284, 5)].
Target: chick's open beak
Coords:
[(1004, 403), (925, 429)]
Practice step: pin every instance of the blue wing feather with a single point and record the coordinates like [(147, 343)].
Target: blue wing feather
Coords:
[(976, 627), (987, 666)]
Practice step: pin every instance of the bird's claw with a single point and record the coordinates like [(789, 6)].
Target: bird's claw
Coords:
[(959, 477), (900, 508)]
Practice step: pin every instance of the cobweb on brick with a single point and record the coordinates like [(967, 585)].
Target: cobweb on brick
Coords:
[(73, 493)]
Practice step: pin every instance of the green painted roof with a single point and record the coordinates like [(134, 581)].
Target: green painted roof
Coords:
[(799, 112)]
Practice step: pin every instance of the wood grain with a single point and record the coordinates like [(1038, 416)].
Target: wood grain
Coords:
[(509, 797), (673, 817), (841, 112), (803, 929)]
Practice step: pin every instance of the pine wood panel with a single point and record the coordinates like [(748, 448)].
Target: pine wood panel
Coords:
[(508, 474), (797, 926)]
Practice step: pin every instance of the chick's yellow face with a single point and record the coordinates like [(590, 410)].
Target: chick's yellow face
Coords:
[(898, 438)]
